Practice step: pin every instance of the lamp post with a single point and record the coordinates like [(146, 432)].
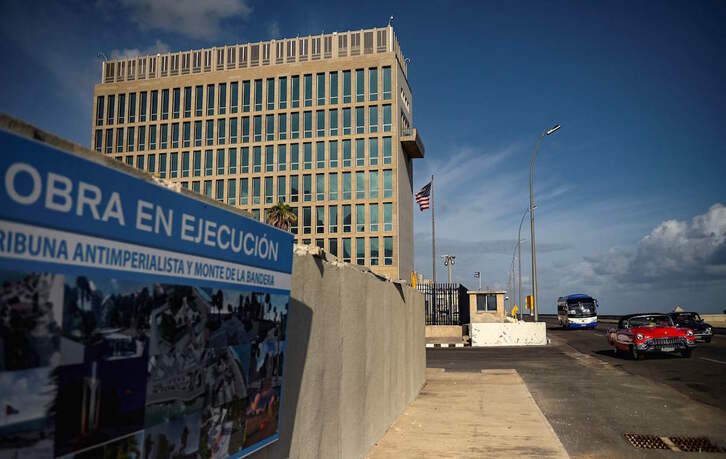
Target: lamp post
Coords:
[(519, 258), (513, 284), (449, 261), (535, 305)]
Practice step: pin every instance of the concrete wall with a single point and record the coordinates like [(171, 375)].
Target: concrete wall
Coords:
[(509, 334), (716, 320), (444, 331), (355, 358)]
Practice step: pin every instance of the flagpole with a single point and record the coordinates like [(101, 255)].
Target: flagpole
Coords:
[(433, 239)]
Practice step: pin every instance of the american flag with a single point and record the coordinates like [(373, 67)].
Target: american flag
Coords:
[(423, 197)]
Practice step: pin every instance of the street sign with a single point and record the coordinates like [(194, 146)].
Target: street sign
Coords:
[(148, 319)]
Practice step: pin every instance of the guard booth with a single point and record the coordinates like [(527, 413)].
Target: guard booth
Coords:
[(486, 306), (491, 327)]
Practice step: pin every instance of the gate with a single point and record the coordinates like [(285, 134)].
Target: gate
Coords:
[(446, 304)]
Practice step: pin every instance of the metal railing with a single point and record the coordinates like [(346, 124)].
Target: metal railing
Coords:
[(446, 304), (382, 40)]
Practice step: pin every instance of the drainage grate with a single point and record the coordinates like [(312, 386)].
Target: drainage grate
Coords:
[(646, 441), (684, 444), (696, 445)]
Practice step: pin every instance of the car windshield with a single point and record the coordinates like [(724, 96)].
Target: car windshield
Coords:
[(688, 317), (581, 308), (650, 320)]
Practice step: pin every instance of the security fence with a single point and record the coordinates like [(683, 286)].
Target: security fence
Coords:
[(446, 304)]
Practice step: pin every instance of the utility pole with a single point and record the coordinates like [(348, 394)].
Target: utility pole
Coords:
[(513, 296), (535, 304), (519, 258)]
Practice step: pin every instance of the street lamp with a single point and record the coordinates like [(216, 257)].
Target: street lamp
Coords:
[(449, 261), (519, 258), (535, 306)]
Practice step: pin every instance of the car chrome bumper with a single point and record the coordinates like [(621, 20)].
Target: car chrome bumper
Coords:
[(665, 345)]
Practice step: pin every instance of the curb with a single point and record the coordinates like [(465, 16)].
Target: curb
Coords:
[(447, 345)]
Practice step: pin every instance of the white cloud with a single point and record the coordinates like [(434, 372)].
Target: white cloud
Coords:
[(157, 48), (274, 30), (677, 251), (193, 18), (620, 250), (480, 195), (674, 253)]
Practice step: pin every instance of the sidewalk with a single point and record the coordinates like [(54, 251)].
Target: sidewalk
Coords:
[(473, 415)]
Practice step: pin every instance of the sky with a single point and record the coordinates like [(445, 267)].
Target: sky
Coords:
[(30, 392), (630, 192)]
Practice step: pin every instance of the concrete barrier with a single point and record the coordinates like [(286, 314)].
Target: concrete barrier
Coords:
[(508, 334), (453, 332), (355, 359), (716, 320)]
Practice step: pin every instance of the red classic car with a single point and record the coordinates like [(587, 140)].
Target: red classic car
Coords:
[(639, 334)]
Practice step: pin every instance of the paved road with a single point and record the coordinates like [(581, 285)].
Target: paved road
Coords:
[(592, 399), (702, 377)]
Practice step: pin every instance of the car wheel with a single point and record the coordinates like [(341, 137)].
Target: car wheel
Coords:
[(687, 353), (634, 354)]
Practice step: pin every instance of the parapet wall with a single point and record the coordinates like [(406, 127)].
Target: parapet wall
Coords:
[(355, 358)]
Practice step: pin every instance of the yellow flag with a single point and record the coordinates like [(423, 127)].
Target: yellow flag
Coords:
[(413, 279), (529, 301), (514, 311)]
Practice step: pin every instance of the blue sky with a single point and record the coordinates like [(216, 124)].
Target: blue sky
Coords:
[(630, 191)]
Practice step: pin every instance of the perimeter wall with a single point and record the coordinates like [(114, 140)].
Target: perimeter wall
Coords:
[(355, 359)]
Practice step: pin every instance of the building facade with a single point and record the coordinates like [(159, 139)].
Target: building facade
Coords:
[(323, 123)]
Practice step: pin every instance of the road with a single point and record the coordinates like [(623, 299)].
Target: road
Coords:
[(591, 398), (702, 377)]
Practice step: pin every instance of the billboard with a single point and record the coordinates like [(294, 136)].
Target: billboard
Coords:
[(135, 321)]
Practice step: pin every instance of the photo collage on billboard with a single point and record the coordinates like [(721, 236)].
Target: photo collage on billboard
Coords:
[(136, 321), (97, 366)]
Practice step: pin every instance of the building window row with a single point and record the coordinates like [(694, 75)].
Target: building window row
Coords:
[(347, 153), (243, 130), (331, 186), (345, 219), (367, 250), (346, 87)]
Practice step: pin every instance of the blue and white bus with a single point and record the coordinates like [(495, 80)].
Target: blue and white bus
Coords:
[(577, 311)]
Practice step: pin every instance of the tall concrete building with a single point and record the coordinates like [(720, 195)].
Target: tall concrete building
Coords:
[(323, 123)]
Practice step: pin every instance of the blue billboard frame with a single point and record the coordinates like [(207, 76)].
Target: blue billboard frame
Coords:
[(90, 239)]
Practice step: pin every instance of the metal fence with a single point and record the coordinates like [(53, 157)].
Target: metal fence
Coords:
[(446, 304)]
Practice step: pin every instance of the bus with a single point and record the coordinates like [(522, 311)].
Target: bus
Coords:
[(577, 311)]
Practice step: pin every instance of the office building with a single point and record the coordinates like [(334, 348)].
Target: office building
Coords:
[(323, 123)]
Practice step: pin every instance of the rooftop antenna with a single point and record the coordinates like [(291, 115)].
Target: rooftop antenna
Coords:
[(390, 21), (101, 55)]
